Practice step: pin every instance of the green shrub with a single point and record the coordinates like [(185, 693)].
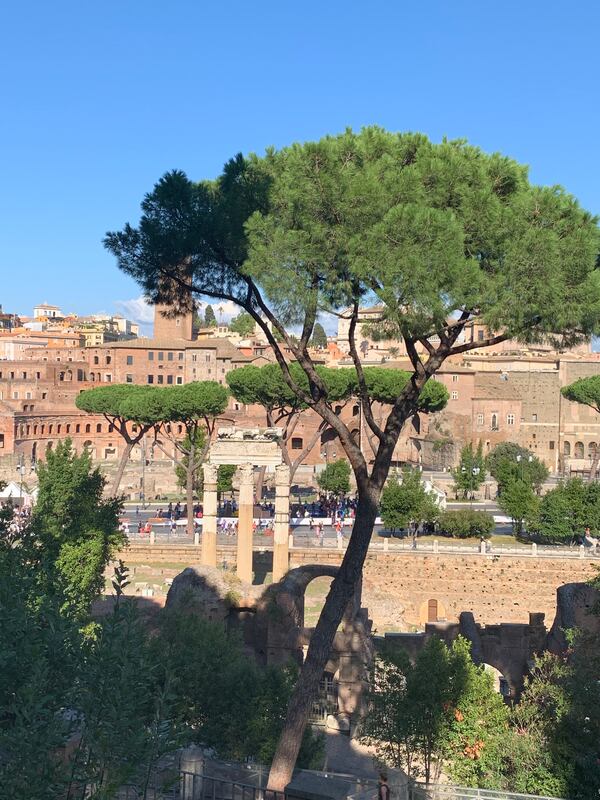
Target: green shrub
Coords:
[(466, 523)]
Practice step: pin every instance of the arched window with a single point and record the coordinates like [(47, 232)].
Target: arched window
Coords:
[(494, 422), (567, 448), (77, 428), (432, 610), (68, 428), (50, 428), (98, 428), (59, 428), (42, 429), (592, 447), (578, 451), (88, 428)]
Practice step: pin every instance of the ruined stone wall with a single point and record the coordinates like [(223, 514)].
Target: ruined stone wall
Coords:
[(397, 587)]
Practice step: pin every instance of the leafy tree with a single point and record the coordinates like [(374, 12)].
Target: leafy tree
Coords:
[(225, 473), (184, 466), (319, 337), (467, 523), (406, 502), (335, 478), (509, 462), (586, 392), (243, 324), (76, 527), (518, 500), (266, 386), (565, 511), (210, 320), (197, 406), (476, 740), (441, 237), (470, 473), (133, 411)]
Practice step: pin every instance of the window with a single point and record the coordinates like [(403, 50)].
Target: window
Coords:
[(179, 380), (534, 417), (194, 357), (68, 428), (150, 378), (50, 428), (510, 419), (129, 360), (592, 447), (1, 440), (180, 429), (96, 360), (494, 422), (161, 356), (129, 378), (27, 395), (454, 395), (88, 428), (578, 451), (296, 443), (98, 428), (107, 377), (480, 419), (169, 379), (355, 410), (24, 376), (38, 375), (108, 360), (15, 395), (151, 356), (567, 448), (159, 379), (181, 356), (44, 395), (169, 356), (455, 379), (480, 336), (551, 445)]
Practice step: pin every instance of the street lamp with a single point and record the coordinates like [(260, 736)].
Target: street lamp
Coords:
[(473, 474), (520, 461)]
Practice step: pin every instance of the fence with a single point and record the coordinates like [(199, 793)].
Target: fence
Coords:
[(192, 786), (439, 791)]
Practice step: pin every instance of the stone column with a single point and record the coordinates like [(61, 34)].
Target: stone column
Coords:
[(281, 552), (209, 516), (245, 474)]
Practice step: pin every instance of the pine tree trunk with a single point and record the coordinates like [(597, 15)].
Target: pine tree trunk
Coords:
[(189, 487), (121, 469), (340, 594)]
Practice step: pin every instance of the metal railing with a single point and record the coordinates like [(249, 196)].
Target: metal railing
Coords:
[(440, 791), (192, 786)]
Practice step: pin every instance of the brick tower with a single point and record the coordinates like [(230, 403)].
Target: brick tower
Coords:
[(179, 327)]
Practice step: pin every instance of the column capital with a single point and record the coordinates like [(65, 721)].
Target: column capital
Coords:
[(210, 473), (282, 474), (245, 473)]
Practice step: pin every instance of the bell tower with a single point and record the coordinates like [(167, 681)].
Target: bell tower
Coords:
[(177, 327)]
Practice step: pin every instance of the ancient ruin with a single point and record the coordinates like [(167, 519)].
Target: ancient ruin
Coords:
[(247, 448)]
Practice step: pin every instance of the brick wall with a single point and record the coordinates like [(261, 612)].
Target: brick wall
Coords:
[(397, 587)]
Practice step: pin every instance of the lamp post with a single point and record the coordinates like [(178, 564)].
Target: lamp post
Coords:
[(520, 461)]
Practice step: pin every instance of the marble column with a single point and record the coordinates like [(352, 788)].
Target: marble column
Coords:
[(281, 550), (245, 473), (209, 516)]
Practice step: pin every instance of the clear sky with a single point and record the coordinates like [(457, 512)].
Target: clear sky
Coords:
[(98, 99)]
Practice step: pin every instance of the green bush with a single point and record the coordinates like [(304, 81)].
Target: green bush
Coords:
[(466, 523)]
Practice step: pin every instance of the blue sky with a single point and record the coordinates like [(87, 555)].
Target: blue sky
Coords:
[(97, 100)]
